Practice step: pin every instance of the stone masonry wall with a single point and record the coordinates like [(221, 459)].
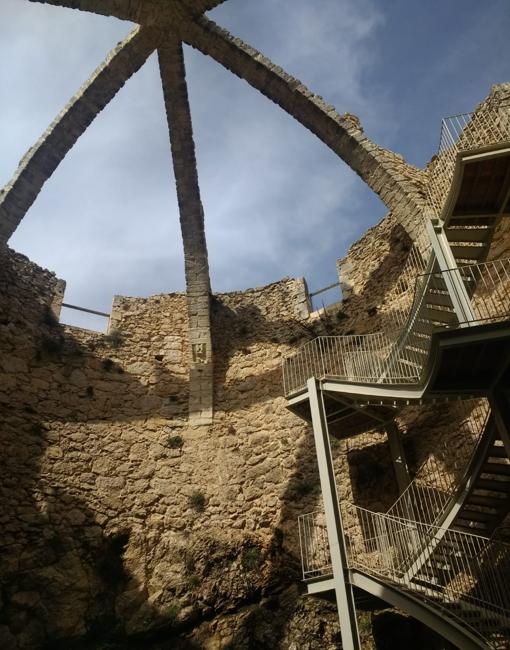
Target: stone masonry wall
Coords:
[(120, 518)]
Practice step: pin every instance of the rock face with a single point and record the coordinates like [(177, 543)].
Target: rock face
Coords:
[(119, 517)]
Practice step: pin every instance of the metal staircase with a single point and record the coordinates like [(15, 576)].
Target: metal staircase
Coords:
[(432, 553)]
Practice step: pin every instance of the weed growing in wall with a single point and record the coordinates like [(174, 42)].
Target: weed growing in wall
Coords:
[(114, 338), (50, 346), (193, 581), (48, 318), (174, 442), (197, 501), (107, 364), (171, 612), (302, 488), (251, 558)]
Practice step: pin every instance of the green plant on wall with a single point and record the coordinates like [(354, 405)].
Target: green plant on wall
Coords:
[(197, 501), (174, 442), (172, 612), (114, 338), (251, 558)]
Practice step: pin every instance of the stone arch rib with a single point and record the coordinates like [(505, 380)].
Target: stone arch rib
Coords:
[(140, 11), (398, 184), (175, 93), (44, 157)]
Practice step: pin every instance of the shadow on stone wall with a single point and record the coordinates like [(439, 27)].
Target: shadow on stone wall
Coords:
[(60, 573)]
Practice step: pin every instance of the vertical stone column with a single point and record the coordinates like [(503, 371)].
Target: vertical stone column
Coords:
[(171, 64), (58, 298)]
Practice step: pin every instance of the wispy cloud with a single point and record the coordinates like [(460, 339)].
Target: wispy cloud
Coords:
[(277, 201)]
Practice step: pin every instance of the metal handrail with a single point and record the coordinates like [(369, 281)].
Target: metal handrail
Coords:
[(85, 309), (458, 573), (459, 133), (361, 358), (400, 357), (428, 495)]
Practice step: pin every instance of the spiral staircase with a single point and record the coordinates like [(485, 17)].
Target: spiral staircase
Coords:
[(435, 553)]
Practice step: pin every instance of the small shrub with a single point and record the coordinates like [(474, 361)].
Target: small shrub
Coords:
[(193, 581), (171, 612), (51, 346), (110, 561), (365, 623), (107, 364), (174, 442), (197, 501), (114, 338), (277, 540), (73, 349), (302, 488), (251, 558), (38, 429)]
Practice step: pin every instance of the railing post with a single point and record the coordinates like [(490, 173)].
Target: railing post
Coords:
[(451, 274), (338, 549)]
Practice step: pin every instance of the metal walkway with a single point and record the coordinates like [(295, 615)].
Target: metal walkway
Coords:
[(433, 554)]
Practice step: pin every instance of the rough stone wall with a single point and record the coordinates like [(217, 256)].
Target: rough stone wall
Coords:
[(119, 517)]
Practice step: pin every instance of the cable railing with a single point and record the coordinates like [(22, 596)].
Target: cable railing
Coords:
[(464, 132), (466, 576), (401, 357)]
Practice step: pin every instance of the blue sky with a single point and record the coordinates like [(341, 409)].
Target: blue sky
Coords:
[(277, 202)]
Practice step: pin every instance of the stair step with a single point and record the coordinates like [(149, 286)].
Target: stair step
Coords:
[(439, 297), (410, 364), (497, 452), (471, 530), (470, 220), (500, 469), (493, 484), (428, 584), (463, 252), (416, 350), (437, 282), (439, 315), (455, 233), (419, 341), (487, 502), (466, 514)]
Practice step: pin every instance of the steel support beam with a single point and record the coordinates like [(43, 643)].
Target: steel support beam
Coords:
[(398, 457), (343, 590), (500, 407), (450, 273)]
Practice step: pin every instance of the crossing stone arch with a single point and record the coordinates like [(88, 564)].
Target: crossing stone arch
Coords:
[(164, 25)]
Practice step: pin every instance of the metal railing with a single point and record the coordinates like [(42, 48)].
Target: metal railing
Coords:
[(466, 576), (488, 286), (427, 497), (400, 357), (313, 537), (462, 573), (467, 131)]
